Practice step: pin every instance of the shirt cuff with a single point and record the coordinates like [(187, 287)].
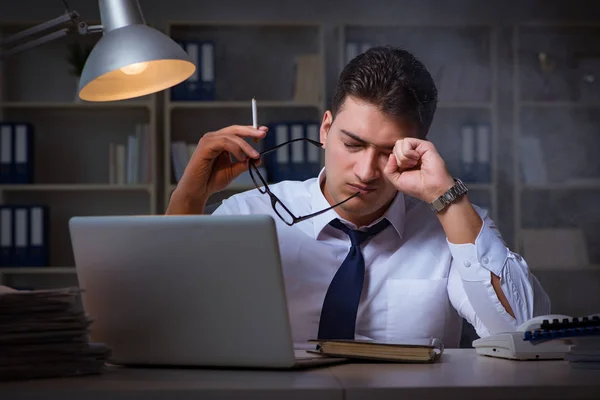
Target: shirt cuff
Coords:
[(476, 261)]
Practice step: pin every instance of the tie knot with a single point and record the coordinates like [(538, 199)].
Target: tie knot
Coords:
[(357, 237)]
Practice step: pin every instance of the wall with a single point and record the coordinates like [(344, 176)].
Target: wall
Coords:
[(333, 12)]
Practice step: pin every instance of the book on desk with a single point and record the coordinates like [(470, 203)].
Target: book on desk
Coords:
[(425, 350)]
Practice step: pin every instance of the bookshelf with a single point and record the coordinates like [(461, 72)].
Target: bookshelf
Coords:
[(463, 62), (251, 59), (258, 59), (70, 158), (556, 100)]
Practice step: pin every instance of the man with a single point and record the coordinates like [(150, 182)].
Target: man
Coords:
[(425, 267)]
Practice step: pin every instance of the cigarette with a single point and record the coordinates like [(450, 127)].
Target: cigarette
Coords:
[(254, 122)]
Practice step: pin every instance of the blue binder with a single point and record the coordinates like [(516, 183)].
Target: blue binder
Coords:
[(22, 153), (6, 236), (6, 153), (16, 152), (483, 169), (298, 152), (278, 163), (201, 85), (24, 236), (468, 167), (297, 161), (38, 245), (20, 235), (314, 154), (308, 164)]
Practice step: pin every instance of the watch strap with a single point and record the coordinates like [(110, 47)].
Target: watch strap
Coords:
[(449, 196)]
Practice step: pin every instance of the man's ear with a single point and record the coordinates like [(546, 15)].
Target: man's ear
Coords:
[(325, 126)]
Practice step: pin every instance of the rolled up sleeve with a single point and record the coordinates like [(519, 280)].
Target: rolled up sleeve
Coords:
[(477, 301)]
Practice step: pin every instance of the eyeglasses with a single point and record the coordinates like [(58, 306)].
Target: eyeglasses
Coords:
[(280, 209)]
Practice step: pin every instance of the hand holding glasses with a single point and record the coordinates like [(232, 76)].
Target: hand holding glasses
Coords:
[(280, 209)]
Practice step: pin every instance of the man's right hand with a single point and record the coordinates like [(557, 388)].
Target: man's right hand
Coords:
[(211, 168)]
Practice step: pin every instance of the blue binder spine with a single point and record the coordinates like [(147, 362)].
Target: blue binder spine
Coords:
[(20, 235), (23, 153), (207, 71), (178, 91), (467, 154), (313, 153), (351, 51), (298, 162), (6, 153), (280, 167), (200, 86), (484, 153), (6, 236), (38, 251)]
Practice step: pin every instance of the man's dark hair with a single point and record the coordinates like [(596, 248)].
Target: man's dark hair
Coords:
[(393, 80)]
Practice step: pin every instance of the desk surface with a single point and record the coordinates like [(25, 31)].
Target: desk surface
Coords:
[(460, 374)]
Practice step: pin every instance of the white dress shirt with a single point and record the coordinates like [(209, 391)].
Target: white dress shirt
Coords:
[(417, 283)]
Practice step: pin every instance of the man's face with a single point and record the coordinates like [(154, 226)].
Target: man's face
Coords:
[(357, 147)]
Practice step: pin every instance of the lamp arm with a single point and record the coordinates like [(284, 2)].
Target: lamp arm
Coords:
[(70, 18)]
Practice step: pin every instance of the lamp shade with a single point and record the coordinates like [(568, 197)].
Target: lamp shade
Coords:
[(131, 61)]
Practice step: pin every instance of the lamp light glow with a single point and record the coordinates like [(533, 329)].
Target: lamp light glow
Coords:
[(131, 59), (134, 69)]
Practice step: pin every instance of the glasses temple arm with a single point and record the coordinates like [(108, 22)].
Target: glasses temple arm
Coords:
[(318, 144), (327, 209)]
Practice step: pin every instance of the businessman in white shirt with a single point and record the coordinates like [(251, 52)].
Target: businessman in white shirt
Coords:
[(435, 257)]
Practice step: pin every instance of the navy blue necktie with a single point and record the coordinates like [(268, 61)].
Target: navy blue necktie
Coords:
[(338, 315)]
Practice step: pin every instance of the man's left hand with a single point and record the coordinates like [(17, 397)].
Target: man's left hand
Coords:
[(417, 169)]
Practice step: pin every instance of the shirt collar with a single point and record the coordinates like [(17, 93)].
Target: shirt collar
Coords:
[(395, 212)]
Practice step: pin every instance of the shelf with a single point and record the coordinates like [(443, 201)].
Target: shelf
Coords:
[(36, 270), (559, 104), (294, 104), (234, 187), (239, 104), (73, 187), (563, 186), (73, 105), (242, 24), (464, 104)]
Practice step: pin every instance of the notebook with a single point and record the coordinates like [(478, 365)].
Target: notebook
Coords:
[(426, 350)]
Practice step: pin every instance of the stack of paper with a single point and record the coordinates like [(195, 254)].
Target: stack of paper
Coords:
[(585, 353), (585, 348), (44, 333)]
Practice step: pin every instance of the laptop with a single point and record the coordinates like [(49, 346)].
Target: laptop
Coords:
[(194, 290)]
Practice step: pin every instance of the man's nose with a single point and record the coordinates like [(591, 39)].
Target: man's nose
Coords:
[(367, 166)]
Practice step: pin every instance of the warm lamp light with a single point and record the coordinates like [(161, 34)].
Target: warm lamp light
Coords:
[(130, 60)]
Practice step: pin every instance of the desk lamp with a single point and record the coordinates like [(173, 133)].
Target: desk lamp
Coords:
[(130, 60)]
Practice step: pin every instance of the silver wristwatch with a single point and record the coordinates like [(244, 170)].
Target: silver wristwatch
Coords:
[(451, 195)]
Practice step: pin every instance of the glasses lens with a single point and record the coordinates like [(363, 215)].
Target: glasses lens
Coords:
[(256, 178), (283, 214)]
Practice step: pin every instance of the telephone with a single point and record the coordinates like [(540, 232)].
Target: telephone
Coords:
[(512, 345)]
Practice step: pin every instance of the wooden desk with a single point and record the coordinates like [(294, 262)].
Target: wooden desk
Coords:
[(461, 374)]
